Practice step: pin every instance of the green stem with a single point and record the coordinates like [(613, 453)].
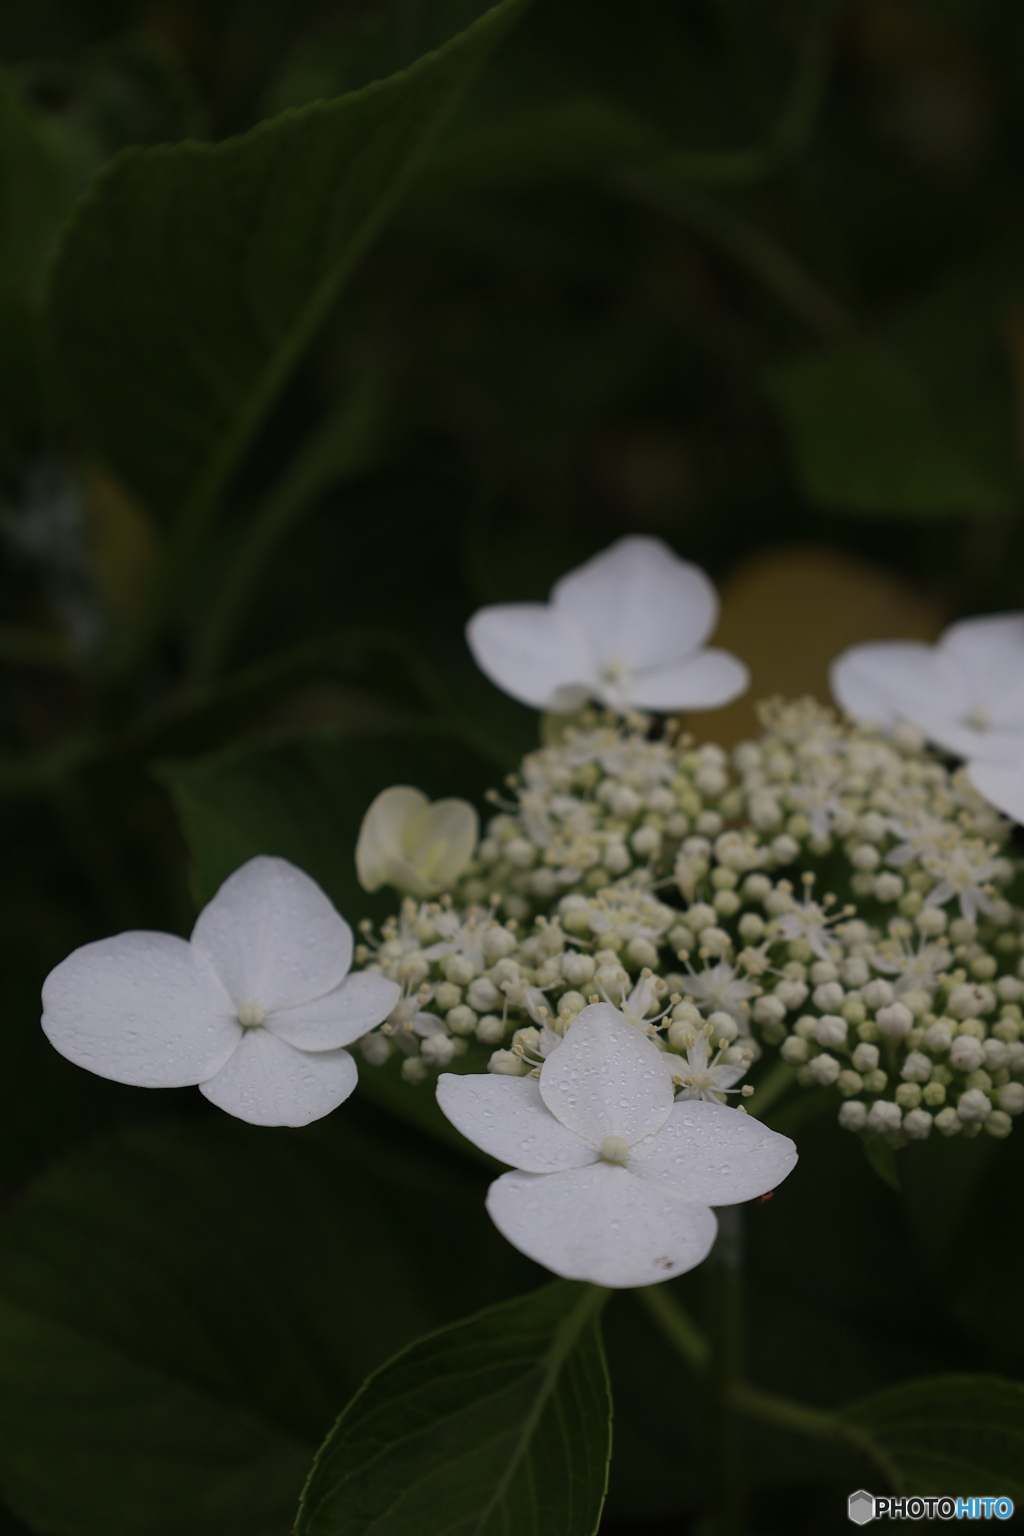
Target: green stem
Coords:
[(676, 1324), (751, 1402), (725, 1449), (771, 1087)]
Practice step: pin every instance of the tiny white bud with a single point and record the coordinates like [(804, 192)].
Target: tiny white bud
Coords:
[(878, 993), (507, 1064), (917, 1124), (865, 1057), (948, 1121), (975, 1104), (884, 1116), (917, 1068), (853, 1115), (794, 1050), (490, 1029), (823, 1069), (1011, 1098), (831, 1030), (895, 1021), (966, 1053)]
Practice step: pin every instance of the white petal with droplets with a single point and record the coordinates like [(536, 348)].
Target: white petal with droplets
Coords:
[(507, 1117), (273, 936), (270, 1083), (606, 1078), (600, 1224), (140, 1009), (363, 1000), (712, 1154)]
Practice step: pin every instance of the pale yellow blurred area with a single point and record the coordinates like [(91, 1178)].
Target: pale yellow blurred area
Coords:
[(788, 612)]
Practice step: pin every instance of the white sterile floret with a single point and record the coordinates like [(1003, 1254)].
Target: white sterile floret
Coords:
[(418, 847), (966, 693), (626, 628), (255, 1008), (613, 1182)]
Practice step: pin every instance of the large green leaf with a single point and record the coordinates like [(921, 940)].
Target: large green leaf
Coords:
[(950, 1434), (866, 436), (194, 276), (182, 1310), (497, 1425), (40, 174), (305, 801), (920, 421)]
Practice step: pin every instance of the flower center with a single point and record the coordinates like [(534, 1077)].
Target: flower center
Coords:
[(250, 1014), (616, 671), (615, 1149)]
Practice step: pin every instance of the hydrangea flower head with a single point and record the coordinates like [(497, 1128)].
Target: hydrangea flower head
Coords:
[(627, 628), (256, 1007), (613, 1180)]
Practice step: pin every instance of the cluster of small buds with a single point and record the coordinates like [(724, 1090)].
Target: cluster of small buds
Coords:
[(828, 893)]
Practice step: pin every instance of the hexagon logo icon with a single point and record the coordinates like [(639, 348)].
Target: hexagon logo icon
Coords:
[(861, 1507)]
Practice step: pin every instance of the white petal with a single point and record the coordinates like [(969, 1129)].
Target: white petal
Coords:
[(638, 602), (600, 1224), (888, 681), (713, 1155), (439, 843), (507, 1117), (701, 681), (272, 936), (140, 1009), (534, 654), (363, 1000), (1001, 787), (269, 1083), (606, 1078), (987, 651), (379, 844)]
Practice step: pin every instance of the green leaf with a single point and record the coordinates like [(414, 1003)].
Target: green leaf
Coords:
[(867, 437), (182, 1310), (949, 1434), (40, 174), (305, 801), (499, 1424), (194, 276)]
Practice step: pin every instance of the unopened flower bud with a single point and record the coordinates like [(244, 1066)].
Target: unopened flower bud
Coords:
[(1011, 1098), (966, 1053), (865, 1057), (917, 1124), (437, 1050), (938, 1037), (830, 1030), (948, 1121), (794, 1050), (376, 1049), (823, 1069), (723, 1026), (917, 1068), (884, 1116), (768, 1010), (974, 1105), (998, 1124), (895, 1021), (507, 1064), (853, 1115), (490, 1029), (877, 993)]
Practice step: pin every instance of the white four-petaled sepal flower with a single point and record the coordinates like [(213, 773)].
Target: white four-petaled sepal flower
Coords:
[(613, 1181), (627, 628), (418, 847), (966, 692), (256, 1008)]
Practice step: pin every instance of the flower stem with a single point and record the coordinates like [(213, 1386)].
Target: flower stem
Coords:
[(676, 1324), (771, 1087), (752, 1402), (724, 1366)]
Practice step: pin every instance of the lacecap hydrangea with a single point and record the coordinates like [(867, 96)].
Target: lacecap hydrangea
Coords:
[(824, 892)]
